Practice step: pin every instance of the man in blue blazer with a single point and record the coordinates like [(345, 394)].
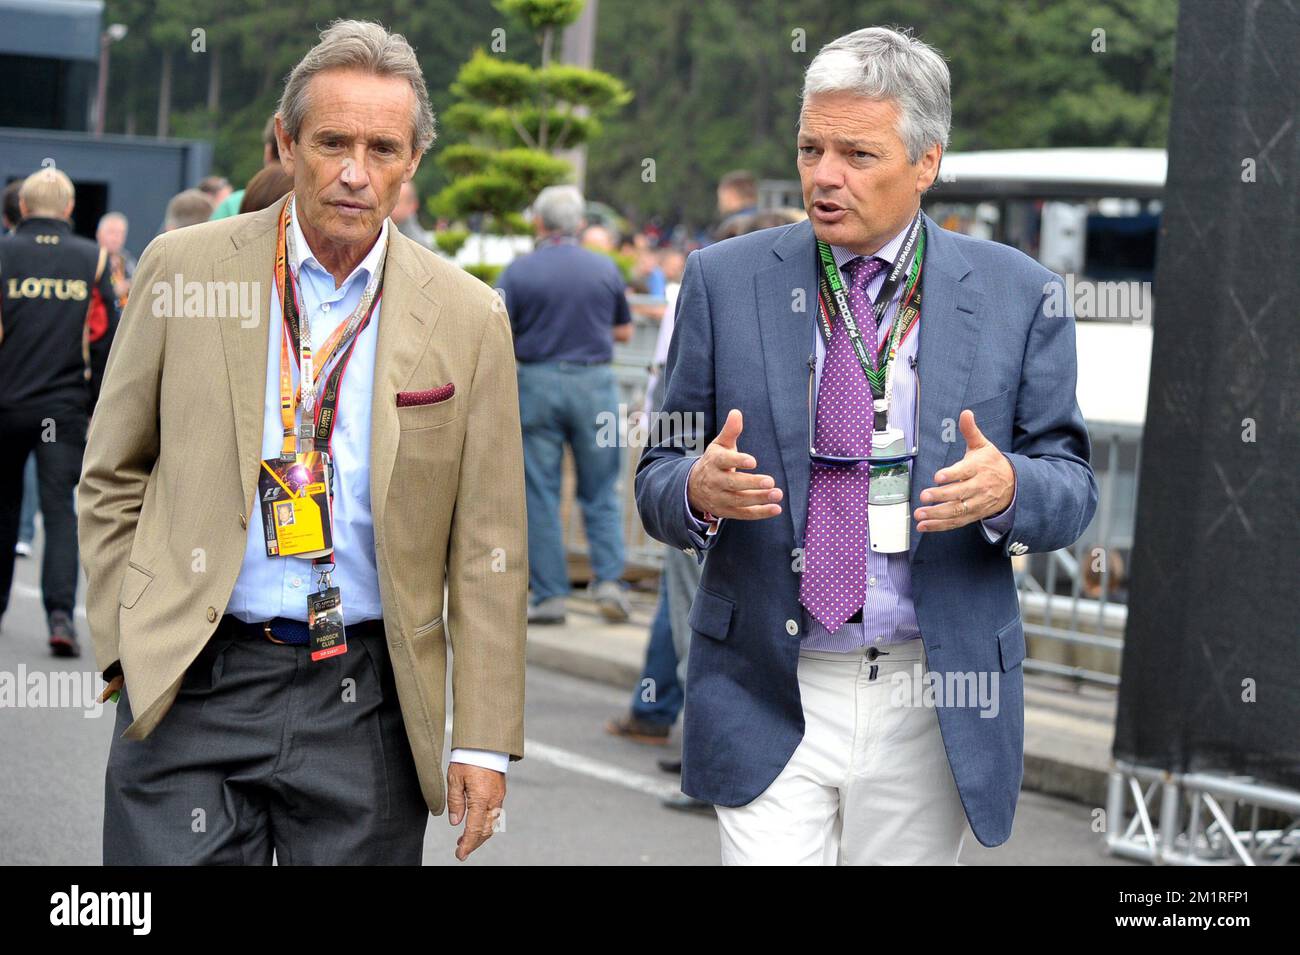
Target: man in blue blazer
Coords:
[(855, 690)]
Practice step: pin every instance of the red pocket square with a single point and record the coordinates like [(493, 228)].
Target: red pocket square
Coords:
[(432, 396)]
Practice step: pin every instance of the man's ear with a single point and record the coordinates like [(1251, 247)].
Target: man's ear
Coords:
[(929, 167), (286, 147), (413, 165)]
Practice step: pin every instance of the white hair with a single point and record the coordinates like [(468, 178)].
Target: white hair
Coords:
[(883, 64), (560, 209)]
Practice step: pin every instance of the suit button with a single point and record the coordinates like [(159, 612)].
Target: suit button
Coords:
[(243, 522), (791, 627), (212, 615)]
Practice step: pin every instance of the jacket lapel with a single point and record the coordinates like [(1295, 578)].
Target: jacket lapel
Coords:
[(949, 330), (408, 314), (251, 263), (787, 295)]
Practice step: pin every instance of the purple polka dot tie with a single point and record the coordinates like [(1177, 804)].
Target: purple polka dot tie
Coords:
[(834, 583)]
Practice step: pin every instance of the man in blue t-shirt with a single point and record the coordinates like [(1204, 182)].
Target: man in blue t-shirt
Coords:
[(567, 307)]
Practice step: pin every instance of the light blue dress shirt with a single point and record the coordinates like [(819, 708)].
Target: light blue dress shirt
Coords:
[(269, 587)]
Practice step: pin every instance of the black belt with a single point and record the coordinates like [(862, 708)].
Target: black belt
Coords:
[(291, 632)]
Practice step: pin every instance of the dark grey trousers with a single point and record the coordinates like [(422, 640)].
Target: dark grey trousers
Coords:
[(265, 750)]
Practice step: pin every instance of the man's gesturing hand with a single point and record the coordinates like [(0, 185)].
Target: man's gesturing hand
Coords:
[(716, 486), (980, 485), (481, 791)]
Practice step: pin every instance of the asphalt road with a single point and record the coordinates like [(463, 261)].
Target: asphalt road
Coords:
[(579, 796)]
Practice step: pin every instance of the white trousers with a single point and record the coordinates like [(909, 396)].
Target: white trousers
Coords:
[(869, 784)]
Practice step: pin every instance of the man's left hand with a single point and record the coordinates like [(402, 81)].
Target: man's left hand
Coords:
[(980, 485), (474, 794)]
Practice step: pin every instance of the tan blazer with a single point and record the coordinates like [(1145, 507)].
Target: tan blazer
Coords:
[(169, 483)]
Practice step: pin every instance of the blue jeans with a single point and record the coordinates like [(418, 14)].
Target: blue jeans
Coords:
[(562, 403), (658, 698)]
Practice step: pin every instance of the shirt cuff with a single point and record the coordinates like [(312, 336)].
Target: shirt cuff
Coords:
[(997, 525), (486, 758)]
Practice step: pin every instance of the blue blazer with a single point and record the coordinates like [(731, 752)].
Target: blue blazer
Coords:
[(990, 341)]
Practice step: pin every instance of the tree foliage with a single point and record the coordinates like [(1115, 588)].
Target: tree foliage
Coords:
[(515, 116), (717, 82)]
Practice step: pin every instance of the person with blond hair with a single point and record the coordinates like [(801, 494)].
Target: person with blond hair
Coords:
[(57, 317)]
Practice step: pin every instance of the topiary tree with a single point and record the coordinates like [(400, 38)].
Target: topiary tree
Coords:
[(513, 118)]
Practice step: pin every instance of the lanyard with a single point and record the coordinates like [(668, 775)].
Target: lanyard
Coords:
[(833, 301), (317, 421)]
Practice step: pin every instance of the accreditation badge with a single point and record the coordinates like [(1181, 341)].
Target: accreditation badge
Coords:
[(325, 624), (296, 516), (888, 501)]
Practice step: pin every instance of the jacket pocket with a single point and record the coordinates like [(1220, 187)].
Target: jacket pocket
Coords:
[(425, 628), (711, 614), (134, 583), (419, 417), (992, 409), (1011, 644)]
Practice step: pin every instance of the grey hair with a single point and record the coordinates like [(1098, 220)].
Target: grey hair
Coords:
[(883, 64), (108, 217), (560, 209), (358, 45), (186, 209)]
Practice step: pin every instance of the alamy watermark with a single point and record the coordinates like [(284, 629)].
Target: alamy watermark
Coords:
[(956, 689), (181, 299), (1098, 301), (621, 428), (60, 690)]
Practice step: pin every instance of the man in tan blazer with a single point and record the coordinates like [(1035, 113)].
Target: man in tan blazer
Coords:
[(242, 728)]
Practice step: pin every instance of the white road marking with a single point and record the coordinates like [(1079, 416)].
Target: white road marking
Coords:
[(29, 592), (567, 759), (597, 769)]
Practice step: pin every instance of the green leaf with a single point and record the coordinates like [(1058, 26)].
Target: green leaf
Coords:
[(450, 241), (496, 81), (464, 159), (490, 193), (487, 274), (540, 14), (532, 169), (591, 88)]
